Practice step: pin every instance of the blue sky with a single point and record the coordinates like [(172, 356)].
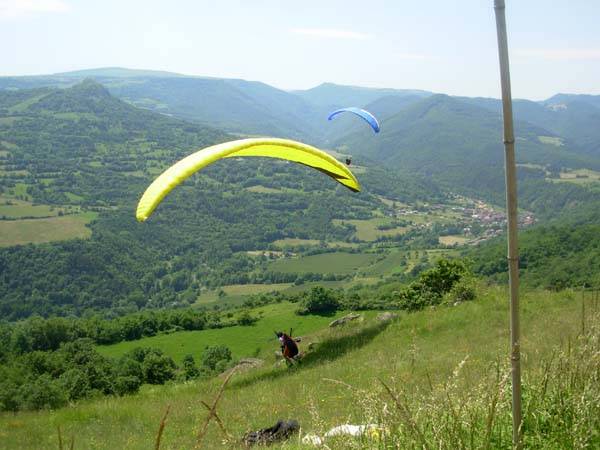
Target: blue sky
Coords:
[(442, 46)]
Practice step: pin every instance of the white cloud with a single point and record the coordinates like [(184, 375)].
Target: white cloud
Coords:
[(330, 33), (560, 54), (10, 9)]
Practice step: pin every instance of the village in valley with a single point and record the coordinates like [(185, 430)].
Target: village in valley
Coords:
[(472, 221)]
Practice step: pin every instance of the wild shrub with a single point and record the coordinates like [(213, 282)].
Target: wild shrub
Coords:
[(215, 356), (319, 301)]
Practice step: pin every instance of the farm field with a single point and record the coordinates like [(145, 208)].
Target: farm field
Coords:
[(580, 176), (237, 292), (453, 240), (395, 261), (294, 242), (291, 243), (453, 352), (27, 231), (264, 190), (244, 341), (14, 209), (366, 230), (337, 262)]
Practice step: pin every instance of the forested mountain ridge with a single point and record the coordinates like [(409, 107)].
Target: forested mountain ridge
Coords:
[(231, 104), (333, 95), (80, 149), (570, 117), (457, 144), (249, 107)]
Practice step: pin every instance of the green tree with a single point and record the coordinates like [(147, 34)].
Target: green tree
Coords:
[(190, 370), (213, 354), (319, 301), (158, 369), (43, 393), (75, 383)]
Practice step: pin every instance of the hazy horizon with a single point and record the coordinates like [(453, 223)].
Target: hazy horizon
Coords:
[(433, 46)]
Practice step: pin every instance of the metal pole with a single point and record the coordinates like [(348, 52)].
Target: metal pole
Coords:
[(511, 206)]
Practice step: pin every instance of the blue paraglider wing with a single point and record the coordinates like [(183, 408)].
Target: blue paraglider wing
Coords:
[(365, 115)]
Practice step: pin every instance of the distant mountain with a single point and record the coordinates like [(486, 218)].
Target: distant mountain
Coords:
[(335, 95), (254, 108), (80, 150), (574, 117), (234, 105), (66, 79), (382, 108), (593, 100), (237, 106), (457, 142), (116, 72)]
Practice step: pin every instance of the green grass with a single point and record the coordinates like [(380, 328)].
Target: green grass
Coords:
[(452, 240), (579, 176), (395, 261), (390, 202), (74, 197), (20, 188), (8, 120), (237, 292), (75, 116), (441, 362), (243, 341), (338, 262), (264, 190), (291, 243), (35, 231), (19, 208), (366, 230), (20, 107), (8, 145), (294, 242)]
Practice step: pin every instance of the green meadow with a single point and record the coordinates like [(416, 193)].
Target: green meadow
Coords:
[(14, 209), (27, 231), (447, 369), (337, 262), (256, 339), (366, 230), (235, 293)]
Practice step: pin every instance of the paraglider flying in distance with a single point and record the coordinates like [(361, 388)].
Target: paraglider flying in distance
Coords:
[(267, 147), (365, 115)]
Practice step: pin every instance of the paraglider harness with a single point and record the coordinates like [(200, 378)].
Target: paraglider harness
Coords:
[(289, 348)]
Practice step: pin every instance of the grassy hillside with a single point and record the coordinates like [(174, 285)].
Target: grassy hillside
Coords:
[(340, 263), (253, 340), (436, 359)]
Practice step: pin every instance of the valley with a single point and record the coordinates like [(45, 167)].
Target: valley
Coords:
[(104, 321)]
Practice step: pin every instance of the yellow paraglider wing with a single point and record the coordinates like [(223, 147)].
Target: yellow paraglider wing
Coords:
[(267, 147)]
